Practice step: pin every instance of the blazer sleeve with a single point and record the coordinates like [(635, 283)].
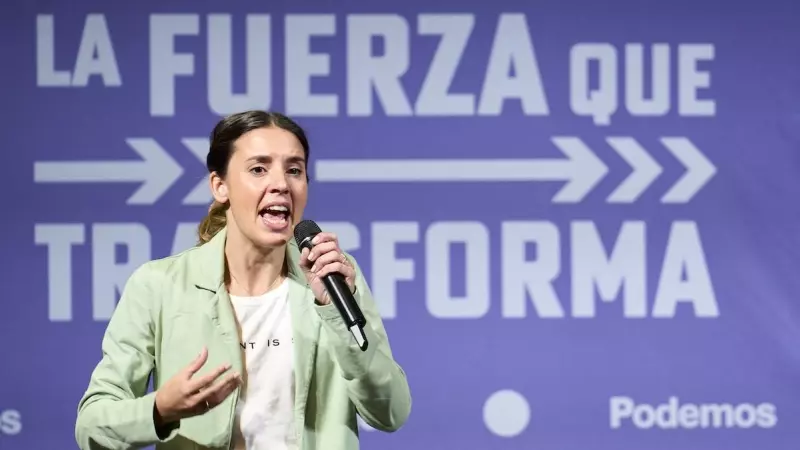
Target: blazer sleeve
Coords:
[(377, 384), (116, 412)]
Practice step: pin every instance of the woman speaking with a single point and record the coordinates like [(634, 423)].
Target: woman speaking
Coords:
[(245, 348)]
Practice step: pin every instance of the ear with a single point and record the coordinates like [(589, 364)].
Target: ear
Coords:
[(218, 188)]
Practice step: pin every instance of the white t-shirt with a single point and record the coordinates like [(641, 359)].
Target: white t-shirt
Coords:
[(265, 412)]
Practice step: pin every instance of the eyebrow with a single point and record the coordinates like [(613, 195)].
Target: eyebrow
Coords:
[(265, 159)]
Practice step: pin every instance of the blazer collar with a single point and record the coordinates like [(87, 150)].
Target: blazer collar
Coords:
[(210, 271)]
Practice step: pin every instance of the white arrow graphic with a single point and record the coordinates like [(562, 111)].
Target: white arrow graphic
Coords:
[(645, 170), (200, 195), (156, 171), (698, 170), (581, 170)]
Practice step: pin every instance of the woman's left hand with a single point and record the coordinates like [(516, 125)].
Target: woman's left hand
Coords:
[(325, 258)]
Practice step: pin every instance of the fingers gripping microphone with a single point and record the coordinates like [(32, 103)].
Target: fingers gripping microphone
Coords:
[(336, 286)]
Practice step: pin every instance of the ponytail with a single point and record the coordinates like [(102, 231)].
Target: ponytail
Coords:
[(213, 222)]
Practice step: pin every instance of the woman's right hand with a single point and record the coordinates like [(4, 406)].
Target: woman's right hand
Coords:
[(183, 396)]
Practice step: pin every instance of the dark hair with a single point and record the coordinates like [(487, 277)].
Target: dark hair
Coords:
[(225, 134)]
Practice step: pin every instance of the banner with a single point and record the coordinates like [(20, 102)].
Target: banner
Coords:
[(579, 220)]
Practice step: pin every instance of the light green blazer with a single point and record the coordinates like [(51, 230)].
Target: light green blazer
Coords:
[(173, 306)]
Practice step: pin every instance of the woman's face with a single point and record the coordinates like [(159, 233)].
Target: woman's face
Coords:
[(266, 186)]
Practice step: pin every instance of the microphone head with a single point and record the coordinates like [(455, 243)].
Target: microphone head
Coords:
[(304, 232)]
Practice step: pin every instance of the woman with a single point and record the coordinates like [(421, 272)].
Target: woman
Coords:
[(244, 345)]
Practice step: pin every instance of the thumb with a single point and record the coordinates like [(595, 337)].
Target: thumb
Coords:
[(198, 362), (304, 263)]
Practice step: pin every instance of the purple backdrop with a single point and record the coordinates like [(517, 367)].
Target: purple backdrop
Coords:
[(585, 237)]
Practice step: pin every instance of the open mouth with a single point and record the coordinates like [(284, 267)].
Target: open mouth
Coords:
[(275, 216)]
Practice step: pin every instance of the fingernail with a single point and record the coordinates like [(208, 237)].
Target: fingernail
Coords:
[(314, 269), (311, 256)]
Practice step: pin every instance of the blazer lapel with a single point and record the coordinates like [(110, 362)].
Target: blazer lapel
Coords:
[(306, 328), (208, 273)]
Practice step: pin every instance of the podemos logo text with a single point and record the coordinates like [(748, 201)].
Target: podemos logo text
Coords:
[(10, 422), (673, 414)]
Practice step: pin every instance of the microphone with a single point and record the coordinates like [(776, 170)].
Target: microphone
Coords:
[(337, 288)]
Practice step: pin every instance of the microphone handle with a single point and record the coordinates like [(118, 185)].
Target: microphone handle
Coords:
[(341, 296)]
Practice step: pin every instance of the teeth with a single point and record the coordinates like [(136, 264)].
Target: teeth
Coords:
[(278, 208)]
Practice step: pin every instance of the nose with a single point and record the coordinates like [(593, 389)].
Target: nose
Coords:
[(277, 182)]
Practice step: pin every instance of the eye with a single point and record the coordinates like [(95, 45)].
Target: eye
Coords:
[(258, 170), (295, 171)]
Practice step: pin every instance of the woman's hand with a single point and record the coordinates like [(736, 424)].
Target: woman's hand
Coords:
[(183, 396), (326, 257)]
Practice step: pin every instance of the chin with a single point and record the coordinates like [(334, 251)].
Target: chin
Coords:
[(271, 244), (273, 239)]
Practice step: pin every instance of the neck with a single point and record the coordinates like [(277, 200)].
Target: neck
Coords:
[(252, 271)]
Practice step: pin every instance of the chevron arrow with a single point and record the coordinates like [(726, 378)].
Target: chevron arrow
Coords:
[(645, 170), (581, 170), (156, 171), (200, 195), (699, 170)]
